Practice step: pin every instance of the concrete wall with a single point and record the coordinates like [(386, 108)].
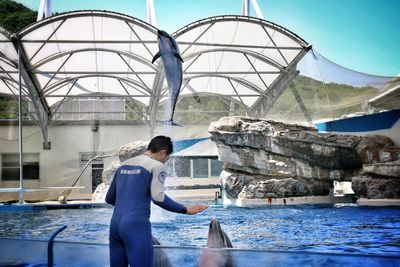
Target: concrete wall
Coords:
[(60, 166)]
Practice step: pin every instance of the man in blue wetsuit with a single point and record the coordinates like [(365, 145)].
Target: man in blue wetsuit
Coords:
[(136, 182)]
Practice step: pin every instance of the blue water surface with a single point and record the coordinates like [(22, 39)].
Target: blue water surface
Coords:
[(314, 228)]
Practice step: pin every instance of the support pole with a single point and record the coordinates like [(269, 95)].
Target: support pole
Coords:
[(21, 160), (257, 9), (151, 14), (44, 9), (246, 8)]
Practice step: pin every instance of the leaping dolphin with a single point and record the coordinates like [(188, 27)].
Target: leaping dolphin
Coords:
[(170, 55), (217, 238)]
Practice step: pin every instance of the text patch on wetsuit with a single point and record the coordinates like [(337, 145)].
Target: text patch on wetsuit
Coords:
[(137, 171)]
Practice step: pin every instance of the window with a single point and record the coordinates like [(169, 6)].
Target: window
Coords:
[(10, 166), (200, 168), (216, 167), (97, 171), (92, 108), (84, 157), (182, 167)]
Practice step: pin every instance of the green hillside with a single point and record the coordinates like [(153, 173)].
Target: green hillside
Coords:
[(15, 16), (321, 100)]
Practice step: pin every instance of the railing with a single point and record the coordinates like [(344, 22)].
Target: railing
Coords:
[(17, 251)]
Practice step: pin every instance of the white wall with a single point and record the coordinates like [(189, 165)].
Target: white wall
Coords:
[(60, 165)]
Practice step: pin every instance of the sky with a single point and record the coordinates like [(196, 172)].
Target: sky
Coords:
[(363, 35)]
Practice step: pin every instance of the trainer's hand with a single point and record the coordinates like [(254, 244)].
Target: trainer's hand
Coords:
[(195, 209)]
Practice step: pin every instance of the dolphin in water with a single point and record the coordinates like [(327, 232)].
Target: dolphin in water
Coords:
[(160, 258), (217, 238), (170, 55)]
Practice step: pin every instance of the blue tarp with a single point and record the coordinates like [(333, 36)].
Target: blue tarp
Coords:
[(183, 144)]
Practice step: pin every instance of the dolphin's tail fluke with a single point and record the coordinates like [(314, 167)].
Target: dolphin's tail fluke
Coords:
[(170, 122)]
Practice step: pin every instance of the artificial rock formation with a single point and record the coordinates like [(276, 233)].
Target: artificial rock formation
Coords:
[(132, 150), (273, 159), (125, 152), (378, 181)]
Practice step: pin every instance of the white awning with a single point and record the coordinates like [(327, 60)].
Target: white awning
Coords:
[(389, 99), (101, 53), (8, 65), (206, 148)]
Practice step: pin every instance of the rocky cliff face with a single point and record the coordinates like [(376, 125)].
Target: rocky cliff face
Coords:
[(125, 152), (272, 159)]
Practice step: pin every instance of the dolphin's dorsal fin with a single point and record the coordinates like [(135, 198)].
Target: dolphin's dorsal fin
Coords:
[(176, 54), (156, 56)]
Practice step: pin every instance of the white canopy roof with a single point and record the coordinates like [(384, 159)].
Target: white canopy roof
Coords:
[(91, 52), (8, 65), (389, 99), (99, 52), (237, 56)]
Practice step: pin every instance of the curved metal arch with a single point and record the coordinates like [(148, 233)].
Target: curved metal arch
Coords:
[(256, 55), (130, 55), (8, 79), (69, 79), (13, 83), (241, 81), (10, 62), (86, 13), (209, 94), (247, 19), (5, 33)]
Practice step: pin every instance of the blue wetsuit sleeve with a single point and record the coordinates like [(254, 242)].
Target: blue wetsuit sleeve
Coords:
[(112, 191), (171, 205), (157, 192)]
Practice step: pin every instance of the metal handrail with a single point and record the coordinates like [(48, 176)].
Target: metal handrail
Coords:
[(50, 246)]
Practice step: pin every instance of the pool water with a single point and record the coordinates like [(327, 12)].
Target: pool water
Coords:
[(314, 228)]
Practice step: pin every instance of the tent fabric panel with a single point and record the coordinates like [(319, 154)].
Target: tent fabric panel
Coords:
[(238, 55)]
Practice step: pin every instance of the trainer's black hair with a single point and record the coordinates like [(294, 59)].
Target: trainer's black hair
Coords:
[(159, 143)]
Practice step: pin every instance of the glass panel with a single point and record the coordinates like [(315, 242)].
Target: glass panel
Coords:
[(32, 252), (216, 167), (97, 170), (200, 168), (10, 166), (18, 252), (182, 167), (9, 136)]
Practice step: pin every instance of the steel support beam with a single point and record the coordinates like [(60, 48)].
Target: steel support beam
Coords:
[(269, 97), (301, 103), (155, 97), (42, 109)]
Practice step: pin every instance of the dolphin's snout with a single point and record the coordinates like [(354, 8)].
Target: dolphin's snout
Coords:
[(214, 225), (214, 221), (162, 33)]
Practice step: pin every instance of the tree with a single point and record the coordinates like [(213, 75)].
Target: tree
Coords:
[(15, 16)]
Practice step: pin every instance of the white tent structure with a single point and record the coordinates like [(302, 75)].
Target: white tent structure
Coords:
[(8, 65), (105, 55), (75, 54), (99, 54)]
